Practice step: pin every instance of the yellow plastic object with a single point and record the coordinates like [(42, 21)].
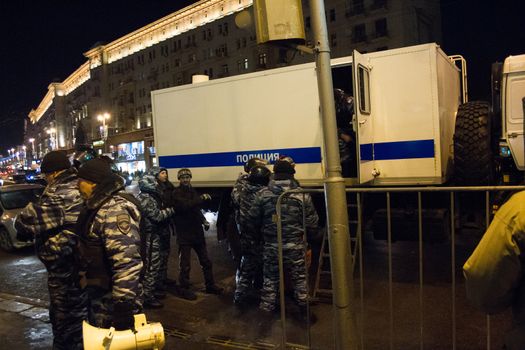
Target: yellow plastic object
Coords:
[(147, 336)]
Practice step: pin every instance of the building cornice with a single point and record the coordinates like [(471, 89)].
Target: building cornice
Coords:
[(188, 18)]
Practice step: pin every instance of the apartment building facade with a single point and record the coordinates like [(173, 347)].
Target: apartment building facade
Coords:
[(106, 102)]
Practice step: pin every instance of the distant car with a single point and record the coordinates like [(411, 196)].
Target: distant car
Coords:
[(13, 199)]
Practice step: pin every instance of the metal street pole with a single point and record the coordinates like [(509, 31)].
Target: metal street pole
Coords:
[(338, 230)]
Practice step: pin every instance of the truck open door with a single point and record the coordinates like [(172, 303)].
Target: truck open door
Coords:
[(363, 121)]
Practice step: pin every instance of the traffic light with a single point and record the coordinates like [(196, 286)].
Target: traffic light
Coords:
[(279, 20)]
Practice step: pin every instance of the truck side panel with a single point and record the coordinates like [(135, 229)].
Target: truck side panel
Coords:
[(214, 127)]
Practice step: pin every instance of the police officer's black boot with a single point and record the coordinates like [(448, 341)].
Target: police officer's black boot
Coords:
[(152, 303)]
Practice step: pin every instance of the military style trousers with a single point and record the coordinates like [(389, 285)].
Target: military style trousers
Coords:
[(185, 264)]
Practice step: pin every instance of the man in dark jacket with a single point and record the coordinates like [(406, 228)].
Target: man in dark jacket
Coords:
[(165, 188), (50, 222), (108, 228), (189, 223), (154, 226)]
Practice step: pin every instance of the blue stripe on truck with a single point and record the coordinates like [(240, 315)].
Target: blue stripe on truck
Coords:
[(299, 155), (398, 150)]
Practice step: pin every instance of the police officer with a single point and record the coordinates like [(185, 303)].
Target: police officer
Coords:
[(189, 223), (154, 227), (110, 246), (250, 271), (233, 233), (261, 217), (50, 222)]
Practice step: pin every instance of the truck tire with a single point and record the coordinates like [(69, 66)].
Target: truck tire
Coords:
[(473, 160)]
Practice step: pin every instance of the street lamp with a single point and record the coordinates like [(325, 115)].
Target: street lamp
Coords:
[(52, 133), (32, 140), (102, 118)]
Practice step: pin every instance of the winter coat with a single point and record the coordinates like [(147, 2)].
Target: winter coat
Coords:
[(155, 218), (260, 215), (109, 225), (494, 273), (51, 221), (188, 215)]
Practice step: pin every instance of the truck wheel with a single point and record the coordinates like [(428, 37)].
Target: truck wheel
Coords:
[(473, 161)]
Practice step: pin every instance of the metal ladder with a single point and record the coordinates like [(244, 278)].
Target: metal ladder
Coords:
[(323, 282)]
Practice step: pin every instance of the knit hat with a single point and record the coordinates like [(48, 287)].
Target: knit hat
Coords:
[(183, 172), (95, 170), (283, 167), (54, 161)]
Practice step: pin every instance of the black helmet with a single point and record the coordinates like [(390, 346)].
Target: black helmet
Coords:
[(253, 162), (260, 175)]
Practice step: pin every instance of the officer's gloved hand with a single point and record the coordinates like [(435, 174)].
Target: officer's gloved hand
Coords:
[(22, 234), (205, 197), (123, 316), (206, 225)]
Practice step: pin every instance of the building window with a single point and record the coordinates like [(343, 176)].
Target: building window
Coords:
[(333, 40), (191, 57), (151, 55), (332, 15), (358, 7), (164, 50), (359, 33), (377, 4), (262, 60), (381, 28), (246, 63), (225, 70)]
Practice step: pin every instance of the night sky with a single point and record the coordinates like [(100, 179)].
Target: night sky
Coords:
[(43, 41)]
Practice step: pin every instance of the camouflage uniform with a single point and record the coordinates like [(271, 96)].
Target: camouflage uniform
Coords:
[(51, 223), (152, 229), (260, 216), (110, 243), (251, 243)]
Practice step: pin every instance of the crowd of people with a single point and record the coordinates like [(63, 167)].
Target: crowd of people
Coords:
[(106, 251)]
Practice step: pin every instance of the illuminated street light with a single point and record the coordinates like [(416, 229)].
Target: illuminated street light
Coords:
[(32, 140), (52, 133), (102, 118)]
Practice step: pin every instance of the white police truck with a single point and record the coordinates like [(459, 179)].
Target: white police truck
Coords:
[(410, 117)]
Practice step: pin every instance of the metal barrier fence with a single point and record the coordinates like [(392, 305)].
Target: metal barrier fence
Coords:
[(429, 329)]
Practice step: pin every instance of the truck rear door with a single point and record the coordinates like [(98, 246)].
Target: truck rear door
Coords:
[(364, 122)]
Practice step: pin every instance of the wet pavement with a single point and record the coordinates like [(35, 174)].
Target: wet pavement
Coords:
[(213, 322)]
